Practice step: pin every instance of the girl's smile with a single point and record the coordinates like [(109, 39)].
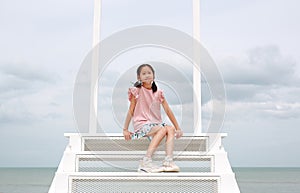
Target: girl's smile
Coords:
[(146, 76)]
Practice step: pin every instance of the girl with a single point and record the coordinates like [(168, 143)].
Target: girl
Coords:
[(144, 110)]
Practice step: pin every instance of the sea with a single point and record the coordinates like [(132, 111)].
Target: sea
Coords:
[(250, 180)]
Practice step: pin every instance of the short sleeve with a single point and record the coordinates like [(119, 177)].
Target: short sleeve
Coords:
[(133, 92), (161, 96)]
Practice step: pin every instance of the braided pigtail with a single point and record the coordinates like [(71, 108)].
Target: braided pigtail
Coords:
[(154, 87), (138, 84)]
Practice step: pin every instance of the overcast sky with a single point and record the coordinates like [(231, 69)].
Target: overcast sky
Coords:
[(254, 43)]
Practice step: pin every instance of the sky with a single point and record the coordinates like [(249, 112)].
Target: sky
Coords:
[(254, 44)]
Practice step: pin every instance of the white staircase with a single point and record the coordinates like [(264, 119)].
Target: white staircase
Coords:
[(107, 163)]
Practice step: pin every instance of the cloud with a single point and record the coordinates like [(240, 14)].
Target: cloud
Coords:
[(31, 94), (19, 79), (13, 112), (26, 72), (262, 74), (260, 66), (263, 110), (261, 84), (257, 75)]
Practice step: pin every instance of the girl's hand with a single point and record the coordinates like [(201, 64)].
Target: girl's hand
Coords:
[(178, 133), (127, 135)]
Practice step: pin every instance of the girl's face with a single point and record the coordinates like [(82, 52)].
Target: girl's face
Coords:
[(146, 75)]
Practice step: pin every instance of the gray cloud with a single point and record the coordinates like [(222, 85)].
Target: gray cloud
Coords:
[(14, 114), (18, 79), (26, 72), (30, 94), (262, 84), (262, 75), (260, 66)]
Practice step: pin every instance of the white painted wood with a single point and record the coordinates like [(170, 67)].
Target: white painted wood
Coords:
[(196, 70), (95, 68), (97, 22)]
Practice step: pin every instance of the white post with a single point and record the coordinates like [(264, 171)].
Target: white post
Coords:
[(196, 71), (95, 68), (97, 22)]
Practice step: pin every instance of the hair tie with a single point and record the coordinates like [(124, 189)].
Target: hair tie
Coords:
[(138, 83)]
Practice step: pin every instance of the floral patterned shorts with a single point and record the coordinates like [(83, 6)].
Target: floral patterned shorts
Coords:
[(145, 130)]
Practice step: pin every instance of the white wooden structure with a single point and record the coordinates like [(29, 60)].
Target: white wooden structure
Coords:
[(96, 163), (107, 163)]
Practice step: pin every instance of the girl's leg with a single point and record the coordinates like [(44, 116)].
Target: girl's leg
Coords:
[(170, 141), (168, 164), (157, 133)]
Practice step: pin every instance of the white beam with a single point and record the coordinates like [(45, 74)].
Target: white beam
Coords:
[(97, 22), (196, 70), (95, 68)]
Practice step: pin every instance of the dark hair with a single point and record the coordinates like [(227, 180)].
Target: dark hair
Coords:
[(138, 83)]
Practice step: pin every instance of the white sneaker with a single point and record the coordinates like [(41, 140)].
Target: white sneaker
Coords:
[(170, 166), (147, 166)]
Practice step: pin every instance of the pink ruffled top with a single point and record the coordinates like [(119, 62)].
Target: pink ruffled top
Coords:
[(147, 109)]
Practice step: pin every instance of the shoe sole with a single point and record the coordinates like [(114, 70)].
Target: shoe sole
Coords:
[(171, 170)]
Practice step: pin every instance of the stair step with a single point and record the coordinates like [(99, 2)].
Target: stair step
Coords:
[(129, 163), (117, 143), (136, 182)]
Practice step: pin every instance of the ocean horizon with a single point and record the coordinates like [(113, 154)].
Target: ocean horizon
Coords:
[(250, 179)]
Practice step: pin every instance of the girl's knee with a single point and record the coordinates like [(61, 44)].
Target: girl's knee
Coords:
[(162, 131), (170, 130)]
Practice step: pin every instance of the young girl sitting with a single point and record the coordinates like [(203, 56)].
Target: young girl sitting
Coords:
[(144, 111)]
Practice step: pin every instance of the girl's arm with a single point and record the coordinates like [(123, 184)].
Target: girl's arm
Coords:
[(126, 133), (172, 118)]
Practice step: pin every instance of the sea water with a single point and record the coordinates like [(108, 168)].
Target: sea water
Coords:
[(250, 180), (26, 180), (268, 180)]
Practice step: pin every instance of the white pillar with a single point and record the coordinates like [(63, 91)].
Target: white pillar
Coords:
[(97, 22), (196, 71), (95, 68)]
